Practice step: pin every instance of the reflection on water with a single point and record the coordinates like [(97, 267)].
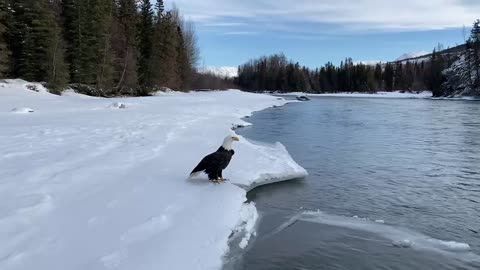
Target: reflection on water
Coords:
[(396, 183)]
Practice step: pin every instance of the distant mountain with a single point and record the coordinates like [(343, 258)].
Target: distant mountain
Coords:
[(411, 55), (423, 56), (367, 63), (229, 72)]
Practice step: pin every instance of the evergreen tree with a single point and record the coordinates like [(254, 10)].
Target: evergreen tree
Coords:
[(36, 40), (57, 77), (103, 47), (474, 53), (435, 74), (75, 14), (101, 57), (88, 28), (187, 50), (183, 66), (165, 53), (160, 8), (145, 30), (21, 39), (389, 76), (399, 80), (378, 76), (125, 46), (4, 48)]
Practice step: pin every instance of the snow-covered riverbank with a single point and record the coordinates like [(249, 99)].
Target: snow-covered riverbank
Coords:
[(396, 94), (93, 183)]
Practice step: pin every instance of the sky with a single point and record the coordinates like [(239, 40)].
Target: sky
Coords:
[(314, 32)]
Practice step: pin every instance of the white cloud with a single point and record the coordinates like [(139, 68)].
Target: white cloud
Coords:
[(224, 24), (354, 15), (240, 33)]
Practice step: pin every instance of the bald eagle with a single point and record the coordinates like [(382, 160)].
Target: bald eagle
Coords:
[(216, 162)]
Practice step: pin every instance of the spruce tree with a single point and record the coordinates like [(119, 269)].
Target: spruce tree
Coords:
[(160, 8), (388, 77), (57, 76), (378, 76), (145, 37), (474, 53), (435, 74), (78, 31), (101, 57), (35, 38), (165, 54), (88, 28), (183, 65), (4, 48), (21, 39), (399, 81), (125, 46)]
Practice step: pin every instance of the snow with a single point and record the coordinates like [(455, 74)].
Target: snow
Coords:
[(367, 62), (117, 105), (22, 110), (458, 78), (410, 55), (84, 186), (417, 60), (395, 94), (229, 72), (248, 219)]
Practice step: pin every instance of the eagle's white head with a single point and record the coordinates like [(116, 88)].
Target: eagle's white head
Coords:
[(227, 143)]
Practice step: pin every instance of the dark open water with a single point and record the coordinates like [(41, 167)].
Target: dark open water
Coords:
[(394, 184)]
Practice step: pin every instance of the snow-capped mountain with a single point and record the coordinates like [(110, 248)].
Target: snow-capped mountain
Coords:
[(411, 55), (367, 63), (228, 72)]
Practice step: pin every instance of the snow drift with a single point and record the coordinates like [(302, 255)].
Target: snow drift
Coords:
[(87, 187)]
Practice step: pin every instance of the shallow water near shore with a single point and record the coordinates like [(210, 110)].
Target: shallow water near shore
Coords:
[(393, 184)]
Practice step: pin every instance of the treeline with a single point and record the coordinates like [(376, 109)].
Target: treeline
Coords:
[(276, 73), (100, 47)]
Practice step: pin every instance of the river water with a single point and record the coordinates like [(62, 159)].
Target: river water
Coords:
[(393, 184)]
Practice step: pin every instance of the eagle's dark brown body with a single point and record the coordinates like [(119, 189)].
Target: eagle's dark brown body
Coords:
[(214, 164)]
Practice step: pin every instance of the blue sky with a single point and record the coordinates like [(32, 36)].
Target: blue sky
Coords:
[(314, 32)]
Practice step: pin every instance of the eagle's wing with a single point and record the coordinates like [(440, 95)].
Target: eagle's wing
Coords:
[(207, 162), (202, 166), (219, 159)]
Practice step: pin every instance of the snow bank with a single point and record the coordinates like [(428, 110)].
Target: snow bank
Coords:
[(396, 94), (87, 187), (117, 105), (23, 85), (270, 164), (248, 219)]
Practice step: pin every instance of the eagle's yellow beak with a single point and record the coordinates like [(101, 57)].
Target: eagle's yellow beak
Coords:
[(235, 139)]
